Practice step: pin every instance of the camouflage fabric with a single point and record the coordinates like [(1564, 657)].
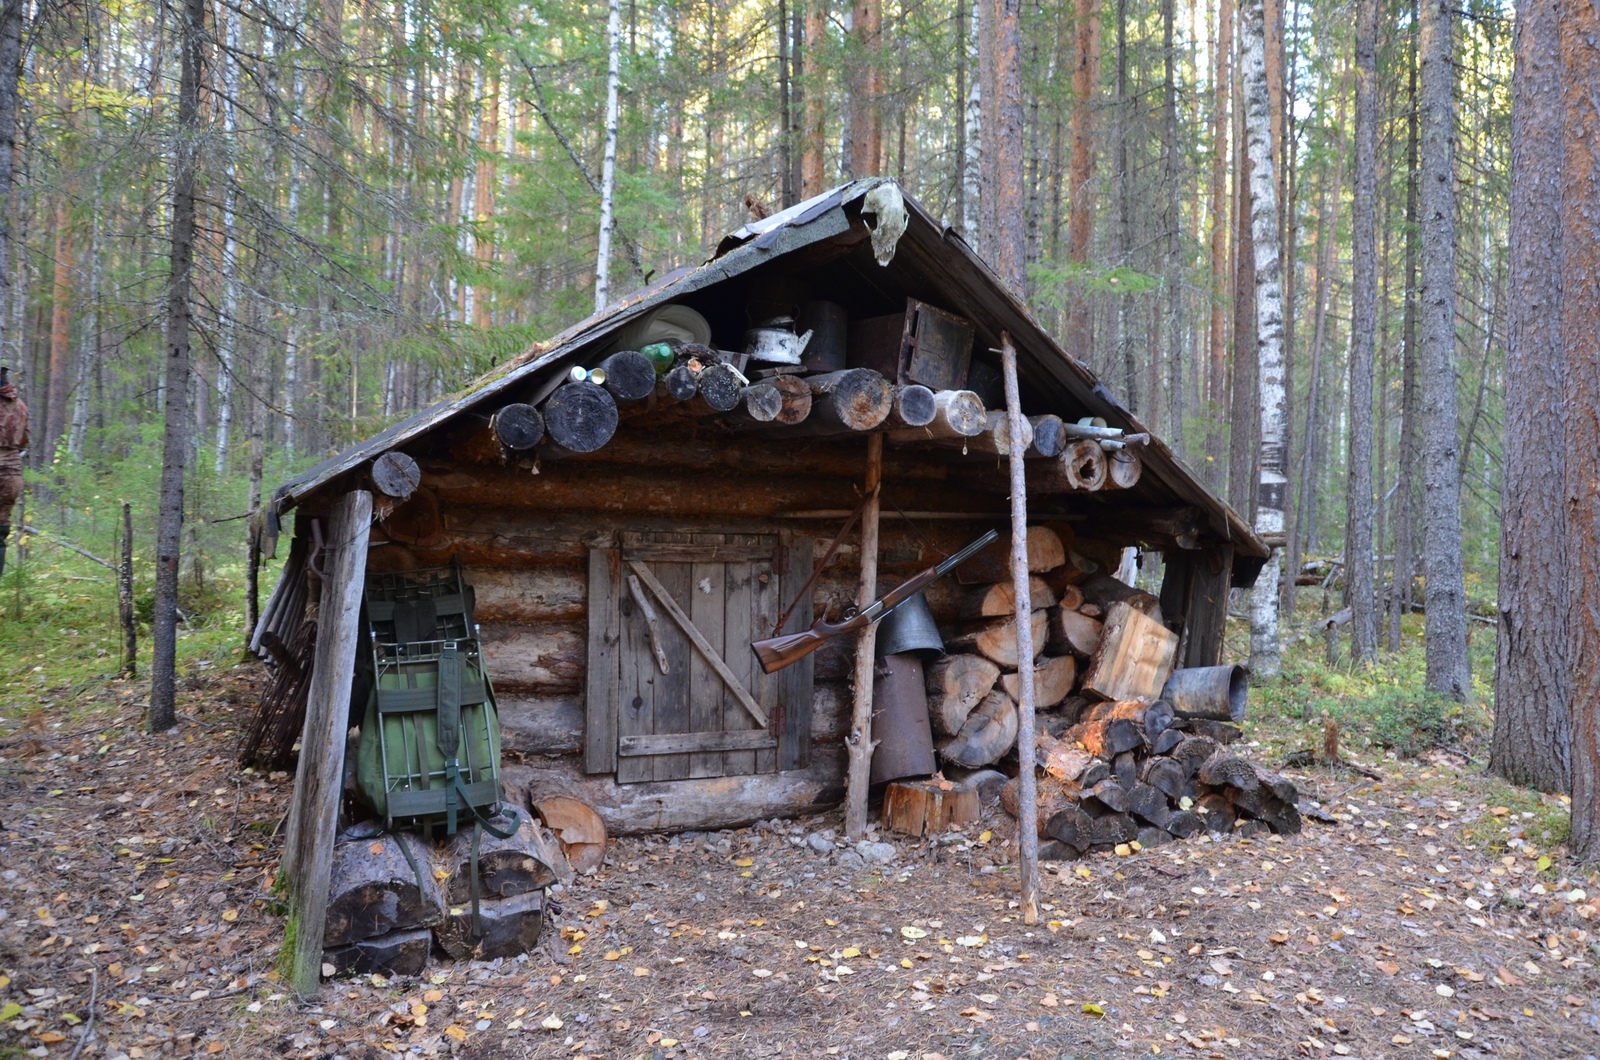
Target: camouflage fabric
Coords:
[(13, 440), (10, 490)]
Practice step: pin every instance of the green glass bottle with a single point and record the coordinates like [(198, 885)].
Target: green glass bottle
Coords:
[(660, 355)]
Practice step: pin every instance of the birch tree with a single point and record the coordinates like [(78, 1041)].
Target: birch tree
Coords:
[(1272, 481), (608, 166)]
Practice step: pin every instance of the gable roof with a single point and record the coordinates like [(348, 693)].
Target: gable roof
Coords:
[(929, 258)]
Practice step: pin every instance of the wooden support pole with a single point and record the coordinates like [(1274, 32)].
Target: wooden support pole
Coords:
[(314, 814), (1028, 788), (860, 743)]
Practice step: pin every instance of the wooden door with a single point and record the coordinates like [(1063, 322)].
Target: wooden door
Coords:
[(674, 690)]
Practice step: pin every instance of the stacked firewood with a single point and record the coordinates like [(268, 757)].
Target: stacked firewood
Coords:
[(395, 897), (1118, 764), (1131, 772)]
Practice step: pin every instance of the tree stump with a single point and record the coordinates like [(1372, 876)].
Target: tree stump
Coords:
[(923, 807)]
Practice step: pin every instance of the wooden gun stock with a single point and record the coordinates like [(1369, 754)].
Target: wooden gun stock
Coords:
[(775, 653)]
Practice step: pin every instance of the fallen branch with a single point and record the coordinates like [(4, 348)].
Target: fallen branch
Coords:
[(70, 547)]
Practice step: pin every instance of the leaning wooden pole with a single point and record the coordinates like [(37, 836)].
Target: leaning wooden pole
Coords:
[(307, 861), (860, 743), (1028, 793)]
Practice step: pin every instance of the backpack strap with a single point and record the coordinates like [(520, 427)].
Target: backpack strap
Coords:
[(449, 730)]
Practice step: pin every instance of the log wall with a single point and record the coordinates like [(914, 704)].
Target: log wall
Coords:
[(524, 540), (523, 532)]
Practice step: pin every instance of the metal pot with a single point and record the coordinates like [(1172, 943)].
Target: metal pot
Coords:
[(776, 345), (909, 627)]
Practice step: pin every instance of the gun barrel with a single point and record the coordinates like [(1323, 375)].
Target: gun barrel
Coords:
[(967, 553)]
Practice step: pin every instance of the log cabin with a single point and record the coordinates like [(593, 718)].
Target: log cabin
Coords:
[(628, 534)]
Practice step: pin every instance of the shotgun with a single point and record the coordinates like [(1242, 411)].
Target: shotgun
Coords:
[(774, 653)]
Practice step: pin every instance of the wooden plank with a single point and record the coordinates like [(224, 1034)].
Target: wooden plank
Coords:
[(635, 705), (699, 641), (704, 548), (696, 745), (736, 636), (1135, 656), (308, 847), (706, 692), (795, 683), (602, 686), (672, 688), (765, 603)]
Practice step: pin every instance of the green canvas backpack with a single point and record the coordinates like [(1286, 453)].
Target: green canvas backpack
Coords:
[(429, 754)]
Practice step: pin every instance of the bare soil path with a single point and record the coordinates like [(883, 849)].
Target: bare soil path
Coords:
[(136, 920)]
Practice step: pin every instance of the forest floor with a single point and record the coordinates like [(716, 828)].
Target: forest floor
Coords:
[(1435, 917)]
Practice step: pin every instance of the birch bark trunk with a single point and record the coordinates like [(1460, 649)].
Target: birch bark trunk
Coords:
[(1265, 651), (608, 167)]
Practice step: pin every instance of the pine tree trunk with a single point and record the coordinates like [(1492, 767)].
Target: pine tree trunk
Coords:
[(228, 330), (1302, 529), (1010, 240), (1448, 670), (55, 420), (1580, 342), (11, 18), (175, 449), (1217, 325), (1172, 221), (1085, 76), (866, 89), (1265, 651), (1404, 533), (1124, 231), (1533, 681), (812, 180), (1359, 593)]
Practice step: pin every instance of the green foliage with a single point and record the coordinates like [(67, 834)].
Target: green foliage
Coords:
[(1386, 706), (60, 638)]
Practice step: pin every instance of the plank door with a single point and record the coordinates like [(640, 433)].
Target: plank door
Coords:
[(694, 601)]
